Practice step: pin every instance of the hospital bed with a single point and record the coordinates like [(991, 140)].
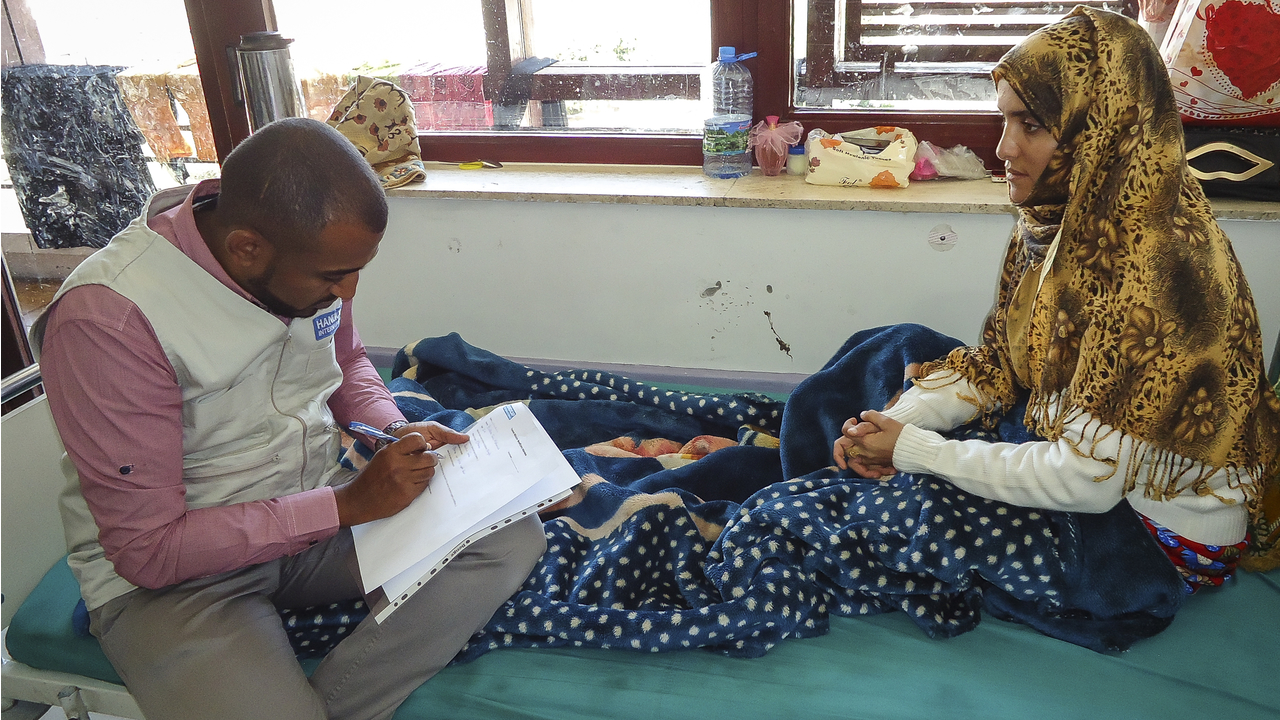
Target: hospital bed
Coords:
[(1218, 659)]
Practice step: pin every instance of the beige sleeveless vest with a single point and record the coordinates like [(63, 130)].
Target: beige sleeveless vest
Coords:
[(255, 418)]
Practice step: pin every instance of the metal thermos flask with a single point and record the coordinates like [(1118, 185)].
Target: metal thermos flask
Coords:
[(271, 90)]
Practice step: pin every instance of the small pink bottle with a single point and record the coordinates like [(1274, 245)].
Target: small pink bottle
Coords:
[(768, 157), (772, 141)]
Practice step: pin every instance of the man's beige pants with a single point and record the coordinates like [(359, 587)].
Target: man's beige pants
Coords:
[(215, 649)]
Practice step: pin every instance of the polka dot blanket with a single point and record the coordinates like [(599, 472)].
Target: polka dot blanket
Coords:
[(750, 544)]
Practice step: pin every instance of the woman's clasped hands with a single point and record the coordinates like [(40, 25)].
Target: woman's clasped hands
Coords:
[(866, 445)]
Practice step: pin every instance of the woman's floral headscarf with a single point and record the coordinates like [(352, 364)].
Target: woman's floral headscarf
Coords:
[(1144, 320)]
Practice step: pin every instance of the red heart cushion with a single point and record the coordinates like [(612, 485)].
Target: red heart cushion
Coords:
[(1243, 40)]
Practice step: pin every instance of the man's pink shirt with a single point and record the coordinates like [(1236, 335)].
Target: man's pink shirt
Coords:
[(116, 402)]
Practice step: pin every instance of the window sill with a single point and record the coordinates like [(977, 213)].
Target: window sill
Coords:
[(681, 185)]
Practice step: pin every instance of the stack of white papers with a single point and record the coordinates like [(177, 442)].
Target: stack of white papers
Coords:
[(509, 468)]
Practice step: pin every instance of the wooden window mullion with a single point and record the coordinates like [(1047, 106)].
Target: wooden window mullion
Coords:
[(21, 36), (216, 27)]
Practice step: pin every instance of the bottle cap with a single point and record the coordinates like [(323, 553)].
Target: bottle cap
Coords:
[(796, 149), (727, 55), (262, 41), (772, 120)]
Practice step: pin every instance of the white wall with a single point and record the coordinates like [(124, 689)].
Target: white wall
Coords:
[(632, 284)]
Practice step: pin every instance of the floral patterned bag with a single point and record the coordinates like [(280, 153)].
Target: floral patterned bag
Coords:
[(378, 117), (878, 157)]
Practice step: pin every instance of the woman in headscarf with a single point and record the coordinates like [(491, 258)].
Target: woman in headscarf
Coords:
[(1122, 320)]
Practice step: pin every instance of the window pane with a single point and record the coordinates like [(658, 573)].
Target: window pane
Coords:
[(106, 108), (625, 66), (149, 41), (327, 35), (575, 65), (443, 41), (924, 55), (656, 32), (329, 51), (128, 33)]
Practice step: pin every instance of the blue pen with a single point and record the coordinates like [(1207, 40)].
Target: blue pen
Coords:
[(372, 432), (377, 434)]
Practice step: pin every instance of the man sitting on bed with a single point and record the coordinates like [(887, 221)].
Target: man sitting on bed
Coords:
[(198, 368)]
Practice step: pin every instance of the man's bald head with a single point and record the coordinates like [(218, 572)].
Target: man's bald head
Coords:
[(293, 177)]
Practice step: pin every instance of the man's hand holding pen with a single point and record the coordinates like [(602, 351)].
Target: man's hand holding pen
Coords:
[(396, 474)]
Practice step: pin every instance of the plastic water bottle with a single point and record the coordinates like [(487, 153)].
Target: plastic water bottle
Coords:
[(732, 91), (724, 135)]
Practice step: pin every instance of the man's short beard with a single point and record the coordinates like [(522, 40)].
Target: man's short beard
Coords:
[(257, 287)]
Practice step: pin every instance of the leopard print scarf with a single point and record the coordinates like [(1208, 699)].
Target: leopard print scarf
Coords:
[(1145, 320)]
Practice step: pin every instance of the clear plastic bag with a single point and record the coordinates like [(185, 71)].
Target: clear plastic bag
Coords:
[(772, 142), (956, 162)]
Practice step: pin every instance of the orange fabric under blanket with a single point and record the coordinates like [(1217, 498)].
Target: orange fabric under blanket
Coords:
[(627, 446), (706, 444)]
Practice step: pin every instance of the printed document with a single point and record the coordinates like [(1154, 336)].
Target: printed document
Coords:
[(508, 469)]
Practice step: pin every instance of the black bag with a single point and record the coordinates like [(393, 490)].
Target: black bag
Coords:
[(1236, 162)]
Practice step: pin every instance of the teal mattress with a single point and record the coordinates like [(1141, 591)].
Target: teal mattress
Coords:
[(1218, 660)]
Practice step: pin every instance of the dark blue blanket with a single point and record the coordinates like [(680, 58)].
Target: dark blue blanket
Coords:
[(751, 545), (436, 378)]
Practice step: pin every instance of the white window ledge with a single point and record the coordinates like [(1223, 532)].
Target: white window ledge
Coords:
[(682, 185)]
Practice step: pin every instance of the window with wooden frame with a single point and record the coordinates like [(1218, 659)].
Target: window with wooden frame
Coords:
[(624, 90), (525, 66), (833, 64), (934, 55), (923, 65)]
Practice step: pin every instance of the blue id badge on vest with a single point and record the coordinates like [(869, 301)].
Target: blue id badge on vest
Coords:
[(325, 323), (316, 332)]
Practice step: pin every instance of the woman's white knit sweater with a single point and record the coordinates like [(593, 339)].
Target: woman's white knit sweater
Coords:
[(1061, 475)]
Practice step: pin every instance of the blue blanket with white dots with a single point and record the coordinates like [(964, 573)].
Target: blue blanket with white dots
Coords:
[(752, 544)]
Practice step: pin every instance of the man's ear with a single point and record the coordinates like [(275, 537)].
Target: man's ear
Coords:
[(248, 251)]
